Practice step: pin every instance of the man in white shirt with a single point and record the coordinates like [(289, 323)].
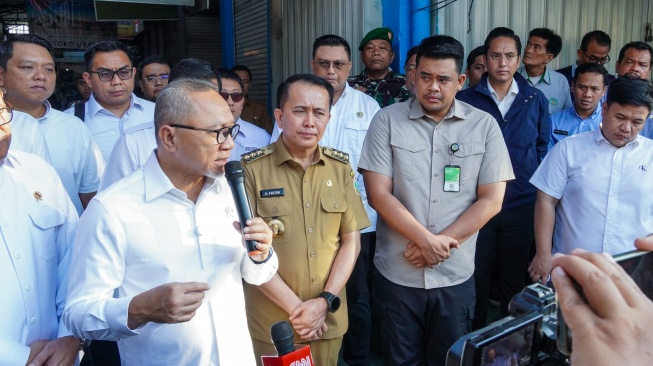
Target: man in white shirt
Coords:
[(594, 188), (159, 262), (113, 107), (37, 229), (135, 145), (351, 113), (27, 72), (250, 137), (28, 136)]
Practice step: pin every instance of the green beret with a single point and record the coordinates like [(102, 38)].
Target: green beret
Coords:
[(378, 33)]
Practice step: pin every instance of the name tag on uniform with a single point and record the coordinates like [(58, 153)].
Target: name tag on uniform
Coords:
[(561, 132), (275, 192)]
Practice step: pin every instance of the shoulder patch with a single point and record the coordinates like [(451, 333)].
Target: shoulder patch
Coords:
[(336, 154), (257, 154)]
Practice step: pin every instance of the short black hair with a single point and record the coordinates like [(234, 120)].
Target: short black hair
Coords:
[(441, 47), (553, 41), (194, 69), (630, 91), (151, 59), (331, 40), (230, 75), (243, 68), (591, 67), (7, 47), (638, 45), (600, 37), (502, 32), (411, 52), (104, 46), (284, 88), (478, 51)]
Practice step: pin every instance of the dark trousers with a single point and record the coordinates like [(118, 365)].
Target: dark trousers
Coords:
[(503, 248), (357, 340), (423, 324), (101, 353)]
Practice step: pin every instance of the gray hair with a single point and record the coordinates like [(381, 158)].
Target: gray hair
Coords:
[(174, 104)]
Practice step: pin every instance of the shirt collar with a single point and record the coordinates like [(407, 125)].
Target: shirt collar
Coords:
[(417, 111), (94, 106), (45, 115), (600, 139), (10, 161), (597, 112), (545, 77), (281, 154), (514, 89)]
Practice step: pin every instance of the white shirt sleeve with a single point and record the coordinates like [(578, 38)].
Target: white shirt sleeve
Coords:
[(121, 163), (552, 175)]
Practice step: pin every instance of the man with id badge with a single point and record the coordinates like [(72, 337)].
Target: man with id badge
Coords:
[(435, 171)]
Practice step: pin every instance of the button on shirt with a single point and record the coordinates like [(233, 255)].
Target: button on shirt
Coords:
[(250, 137), (27, 135), (554, 86), (36, 238), (506, 102), (142, 232), (74, 153), (346, 130), (605, 193), (568, 123), (406, 144), (107, 128)]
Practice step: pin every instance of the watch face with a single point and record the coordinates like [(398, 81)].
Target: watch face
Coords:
[(335, 304)]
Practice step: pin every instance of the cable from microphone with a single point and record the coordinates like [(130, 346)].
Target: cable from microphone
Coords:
[(235, 175)]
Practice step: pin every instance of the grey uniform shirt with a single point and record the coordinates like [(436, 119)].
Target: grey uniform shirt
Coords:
[(409, 146)]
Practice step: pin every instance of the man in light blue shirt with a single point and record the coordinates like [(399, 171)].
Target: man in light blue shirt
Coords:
[(542, 47), (113, 107), (589, 86)]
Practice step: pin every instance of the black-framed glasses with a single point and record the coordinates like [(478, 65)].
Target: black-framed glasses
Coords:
[(222, 133), (10, 111), (338, 65), (236, 97), (108, 75), (151, 79), (596, 60)]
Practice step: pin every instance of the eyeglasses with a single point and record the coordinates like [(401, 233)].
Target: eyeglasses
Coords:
[(10, 111), (222, 133), (338, 65), (107, 75), (596, 60), (151, 79), (508, 57), (236, 97)]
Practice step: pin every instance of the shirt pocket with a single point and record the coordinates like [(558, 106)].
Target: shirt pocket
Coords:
[(469, 158), (407, 154), (46, 220), (280, 209), (333, 207)]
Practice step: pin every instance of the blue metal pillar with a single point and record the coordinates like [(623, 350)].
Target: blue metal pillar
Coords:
[(420, 19), (410, 20), (227, 31)]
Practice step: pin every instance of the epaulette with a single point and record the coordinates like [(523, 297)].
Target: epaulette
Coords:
[(257, 154), (336, 154)]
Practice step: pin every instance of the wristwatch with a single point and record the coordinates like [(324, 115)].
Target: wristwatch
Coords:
[(333, 301)]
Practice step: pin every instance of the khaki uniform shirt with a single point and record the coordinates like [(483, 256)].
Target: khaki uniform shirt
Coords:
[(315, 207), (406, 144), (256, 114)]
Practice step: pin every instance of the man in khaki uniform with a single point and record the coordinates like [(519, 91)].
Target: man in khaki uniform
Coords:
[(306, 193)]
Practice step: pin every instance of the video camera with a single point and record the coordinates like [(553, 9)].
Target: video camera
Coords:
[(535, 332)]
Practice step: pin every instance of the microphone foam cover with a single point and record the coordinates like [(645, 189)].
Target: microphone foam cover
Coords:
[(282, 337), (233, 169)]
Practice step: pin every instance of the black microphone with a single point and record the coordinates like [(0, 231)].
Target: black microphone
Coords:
[(235, 175), (282, 337)]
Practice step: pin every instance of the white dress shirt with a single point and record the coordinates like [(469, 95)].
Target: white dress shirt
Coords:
[(505, 103), (346, 130), (37, 229), (605, 193), (250, 137), (73, 153), (27, 135), (141, 233), (107, 128)]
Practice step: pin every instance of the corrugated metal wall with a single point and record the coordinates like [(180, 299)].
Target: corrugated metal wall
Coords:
[(304, 21), (203, 36), (623, 20), (252, 34)]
